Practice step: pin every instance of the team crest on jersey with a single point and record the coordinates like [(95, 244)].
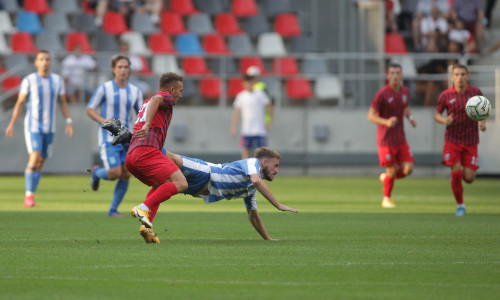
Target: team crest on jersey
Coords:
[(447, 156), (404, 99), (390, 100), (388, 156), (453, 100)]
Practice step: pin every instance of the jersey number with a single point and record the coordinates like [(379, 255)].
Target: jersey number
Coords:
[(141, 116)]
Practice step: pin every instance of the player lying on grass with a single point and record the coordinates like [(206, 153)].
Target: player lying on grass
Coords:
[(214, 182)]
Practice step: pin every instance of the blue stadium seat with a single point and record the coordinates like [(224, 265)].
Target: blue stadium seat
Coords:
[(29, 22), (189, 43)]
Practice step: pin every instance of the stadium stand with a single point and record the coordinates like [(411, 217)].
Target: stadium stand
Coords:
[(256, 25), (80, 38), (285, 66), (200, 24), (183, 7), (105, 42), (241, 44), (6, 21), (85, 23), (189, 44), (142, 23), (136, 42), (114, 23), (160, 63), (57, 22), (11, 83), (226, 24), (287, 25), (246, 62), (214, 43), (29, 22), (37, 6), (49, 41), (395, 44), (22, 42), (271, 8), (161, 43), (298, 88), (211, 7), (16, 60), (66, 6), (145, 67), (4, 47), (314, 65), (224, 65), (195, 65), (301, 44), (10, 6), (270, 44), (172, 23), (234, 86), (244, 8), (211, 88), (328, 88)]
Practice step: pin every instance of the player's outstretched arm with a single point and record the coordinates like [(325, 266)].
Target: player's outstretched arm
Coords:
[(410, 118), (266, 192), (254, 218), (443, 120), (65, 112), (374, 118), (21, 99)]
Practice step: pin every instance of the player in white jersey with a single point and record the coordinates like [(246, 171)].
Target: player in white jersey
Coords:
[(40, 91), (116, 99)]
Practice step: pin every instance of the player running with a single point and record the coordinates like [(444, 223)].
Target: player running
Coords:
[(387, 110), (214, 182), (41, 89), (115, 99), (461, 137)]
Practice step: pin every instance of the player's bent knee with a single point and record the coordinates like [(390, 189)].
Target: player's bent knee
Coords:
[(114, 173)]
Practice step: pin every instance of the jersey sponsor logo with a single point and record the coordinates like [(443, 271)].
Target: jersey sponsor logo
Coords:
[(404, 99)]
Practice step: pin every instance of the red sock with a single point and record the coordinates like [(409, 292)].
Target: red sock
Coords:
[(400, 174), (456, 186), (162, 193), (388, 185), (152, 210)]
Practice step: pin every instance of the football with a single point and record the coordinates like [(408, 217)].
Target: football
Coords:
[(478, 108)]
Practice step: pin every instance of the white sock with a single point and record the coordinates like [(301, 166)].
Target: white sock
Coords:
[(28, 194), (462, 205), (143, 206)]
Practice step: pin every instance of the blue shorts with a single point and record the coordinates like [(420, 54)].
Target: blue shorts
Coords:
[(250, 142), (112, 156), (41, 142), (197, 173)]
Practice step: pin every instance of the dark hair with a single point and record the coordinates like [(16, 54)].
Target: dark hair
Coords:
[(117, 58), (394, 65), (248, 77), (42, 51), (169, 78), (265, 152), (460, 66)]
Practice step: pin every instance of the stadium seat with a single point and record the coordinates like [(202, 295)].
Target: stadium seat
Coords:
[(11, 6), (214, 43), (224, 65), (270, 44), (240, 44), (103, 61), (234, 86), (287, 25), (80, 38), (395, 44), (29, 22), (256, 25), (210, 88), (4, 46), (86, 7), (2, 70), (200, 24), (114, 23), (49, 41), (407, 64), (190, 89), (105, 42), (57, 22), (22, 42), (85, 23), (285, 66), (66, 6), (16, 60), (162, 63), (273, 86), (211, 7), (246, 62), (5, 20), (244, 8), (227, 24), (188, 44), (39, 7), (314, 65), (298, 88), (145, 67), (195, 65), (161, 43), (301, 44), (11, 83), (142, 23), (172, 23), (183, 7), (328, 88), (136, 43), (271, 8)]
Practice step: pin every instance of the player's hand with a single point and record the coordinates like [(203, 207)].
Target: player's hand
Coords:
[(69, 130), (449, 119), (413, 122), (9, 131), (391, 122), (232, 131), (142, 133), (482, 125), (286, 208)]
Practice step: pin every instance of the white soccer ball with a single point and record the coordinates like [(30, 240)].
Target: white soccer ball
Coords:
[(478, 108)]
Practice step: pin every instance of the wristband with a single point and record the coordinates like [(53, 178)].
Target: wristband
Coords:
[(411, 118), (69, 121)]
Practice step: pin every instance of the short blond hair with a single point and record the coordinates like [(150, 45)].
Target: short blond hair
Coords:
[(265, 152)]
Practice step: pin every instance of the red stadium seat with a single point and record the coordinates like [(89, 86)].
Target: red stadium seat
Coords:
[(287, 25), (145, 67), (161, 43), (248, 61), (22, 42), (214, 43), (210, 88), (285, 66), (298, 88), (11, 83), (87, 9), (78, 38), (195, 65), (234, 86), (40, 7), (226, 23), (2, 70), (183, 7), (114, 23), (172, 23), (395, 43), (244, 8)]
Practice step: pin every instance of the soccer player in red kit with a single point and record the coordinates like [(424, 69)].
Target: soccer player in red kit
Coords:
[(387, 110), (461, 136), (145, 159)]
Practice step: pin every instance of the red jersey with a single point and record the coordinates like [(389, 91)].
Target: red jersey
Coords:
[(463, 130), (158, 130), (389, 103)]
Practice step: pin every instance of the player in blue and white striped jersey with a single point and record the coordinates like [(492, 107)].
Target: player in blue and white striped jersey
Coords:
[(115, 99), (40, 90)]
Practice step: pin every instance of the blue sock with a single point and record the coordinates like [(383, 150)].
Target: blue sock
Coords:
[(101, 173), (28, 181), (120, 190), (36, 179)]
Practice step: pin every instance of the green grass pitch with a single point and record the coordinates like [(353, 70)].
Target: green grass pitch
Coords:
[(341, 245)]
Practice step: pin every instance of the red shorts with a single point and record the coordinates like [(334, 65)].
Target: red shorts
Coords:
[(394, 155), (149, 165), (455, 153)]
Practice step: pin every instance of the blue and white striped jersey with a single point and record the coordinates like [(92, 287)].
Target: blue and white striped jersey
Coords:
[(226, 181), (115, 103), (41, 103)]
